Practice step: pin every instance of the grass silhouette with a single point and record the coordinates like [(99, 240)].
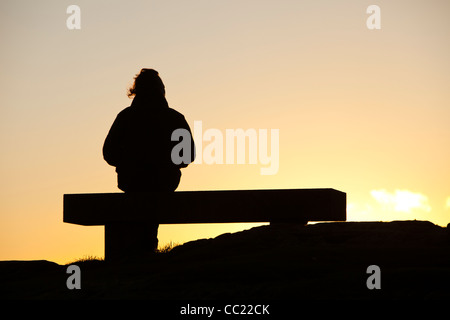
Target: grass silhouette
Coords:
[(166, 248), (86, 258)]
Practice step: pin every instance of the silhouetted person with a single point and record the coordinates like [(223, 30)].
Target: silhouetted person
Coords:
[(139, 142)]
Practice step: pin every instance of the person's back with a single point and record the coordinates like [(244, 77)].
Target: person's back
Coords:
[(139, 142), (139, 145)]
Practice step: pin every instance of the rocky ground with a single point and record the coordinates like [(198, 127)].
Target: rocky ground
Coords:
[(282, 262)]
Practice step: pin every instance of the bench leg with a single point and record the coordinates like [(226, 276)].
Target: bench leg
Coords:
[(125, 241)]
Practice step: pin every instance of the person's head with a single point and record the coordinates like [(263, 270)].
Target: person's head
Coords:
[(147, 82)]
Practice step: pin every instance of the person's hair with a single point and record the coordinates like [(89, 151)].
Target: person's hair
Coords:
[(147, 81)]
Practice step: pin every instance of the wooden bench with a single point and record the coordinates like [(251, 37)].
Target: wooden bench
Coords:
[(114, 210)]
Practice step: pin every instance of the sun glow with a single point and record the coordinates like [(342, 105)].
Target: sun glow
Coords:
[(402, 200)]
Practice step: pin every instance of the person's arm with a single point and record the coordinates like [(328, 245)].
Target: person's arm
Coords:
[(186, 126), (113, 145), (182, 124)]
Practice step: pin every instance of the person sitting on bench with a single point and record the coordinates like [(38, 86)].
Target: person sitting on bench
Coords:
[(139, 144)]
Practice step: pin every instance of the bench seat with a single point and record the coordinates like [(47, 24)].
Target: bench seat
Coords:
[(182, 207)]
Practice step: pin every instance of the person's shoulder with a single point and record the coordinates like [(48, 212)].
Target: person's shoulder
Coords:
[(125, 112), (175, 113)]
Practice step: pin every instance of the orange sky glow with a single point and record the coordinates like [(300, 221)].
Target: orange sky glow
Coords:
[(362, 111)]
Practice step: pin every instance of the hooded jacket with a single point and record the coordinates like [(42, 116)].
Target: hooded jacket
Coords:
[(139, 145)]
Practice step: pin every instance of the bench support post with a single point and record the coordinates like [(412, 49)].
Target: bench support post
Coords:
[(130, 240)]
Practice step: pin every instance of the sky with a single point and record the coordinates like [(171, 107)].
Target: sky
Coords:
[(364, 111)]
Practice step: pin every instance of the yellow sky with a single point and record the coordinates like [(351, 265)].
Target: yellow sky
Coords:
[(363, 111)]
